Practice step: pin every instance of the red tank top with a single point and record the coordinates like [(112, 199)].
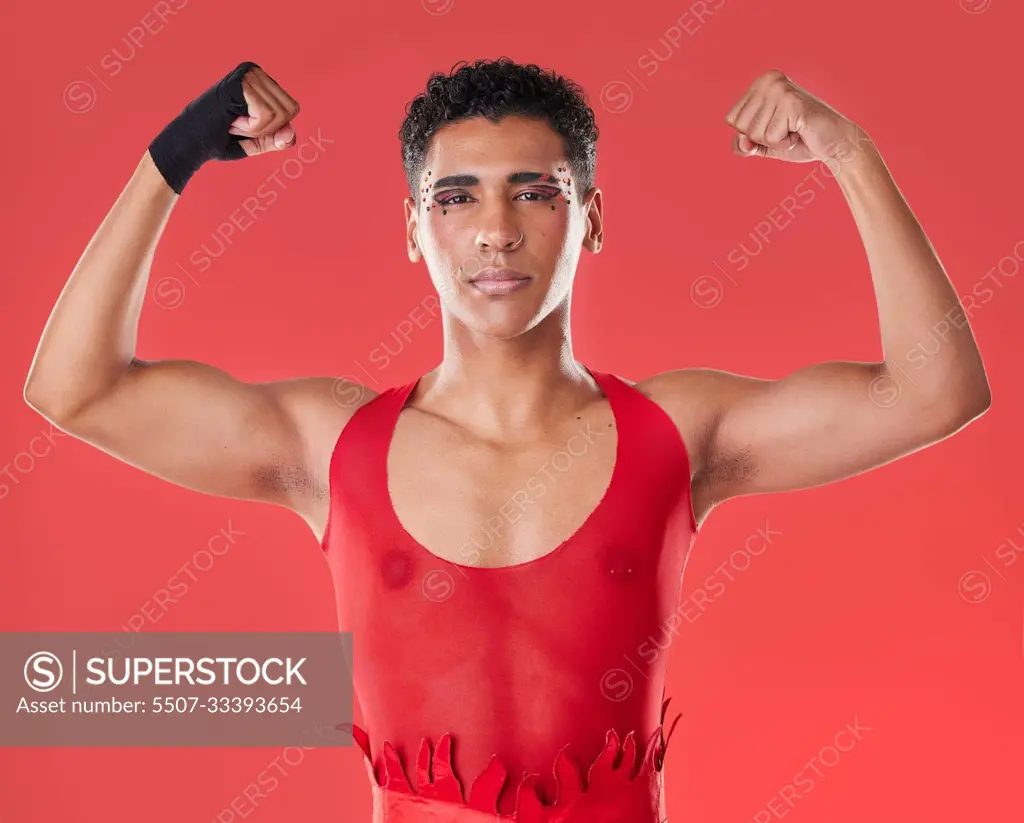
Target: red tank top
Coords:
[(533, 691)]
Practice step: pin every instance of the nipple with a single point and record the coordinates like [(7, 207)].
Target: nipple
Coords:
[(396, 568), (621, 564)]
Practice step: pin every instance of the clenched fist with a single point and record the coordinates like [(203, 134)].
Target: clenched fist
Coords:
[(776, 118), (245, 113), (266, 125)]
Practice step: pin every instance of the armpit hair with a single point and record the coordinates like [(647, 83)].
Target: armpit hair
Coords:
[(284, 478), (719, 468)]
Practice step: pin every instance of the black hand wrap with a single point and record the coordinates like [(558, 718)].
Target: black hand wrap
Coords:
[(200, 132)]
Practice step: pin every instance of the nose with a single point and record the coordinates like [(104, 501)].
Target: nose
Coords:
[(498, 235)]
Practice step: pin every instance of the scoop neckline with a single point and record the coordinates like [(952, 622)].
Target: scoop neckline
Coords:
[(602, 381)]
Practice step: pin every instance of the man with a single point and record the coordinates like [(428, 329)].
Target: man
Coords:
[(490, 597)]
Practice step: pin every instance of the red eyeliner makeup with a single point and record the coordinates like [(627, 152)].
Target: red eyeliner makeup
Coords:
[(562, 183), (549, 178)]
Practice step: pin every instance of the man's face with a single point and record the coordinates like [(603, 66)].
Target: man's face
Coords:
[(500, 197)]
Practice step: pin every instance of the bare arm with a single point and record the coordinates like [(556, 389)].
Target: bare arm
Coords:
[(833, 420), (187, 422)]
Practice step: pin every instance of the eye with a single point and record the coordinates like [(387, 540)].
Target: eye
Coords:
[(452, 199), (538, 196)]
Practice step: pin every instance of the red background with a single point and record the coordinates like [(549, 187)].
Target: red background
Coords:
[(854, 612)]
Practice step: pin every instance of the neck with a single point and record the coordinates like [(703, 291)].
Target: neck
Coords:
[(494, 385)]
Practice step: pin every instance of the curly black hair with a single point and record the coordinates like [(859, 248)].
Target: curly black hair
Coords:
[(495, 89)]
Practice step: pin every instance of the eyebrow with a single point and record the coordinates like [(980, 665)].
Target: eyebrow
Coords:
[(467, 180)]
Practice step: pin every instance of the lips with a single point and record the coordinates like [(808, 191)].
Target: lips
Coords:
[(498, 275), (500, 281)]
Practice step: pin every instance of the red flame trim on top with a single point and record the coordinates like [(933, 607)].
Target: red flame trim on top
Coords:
[(436, 778)]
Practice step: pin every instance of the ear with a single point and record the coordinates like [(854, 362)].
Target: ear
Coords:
[(593, 211), (412, 236)]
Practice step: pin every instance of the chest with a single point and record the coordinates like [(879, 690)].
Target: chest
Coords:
[(485, 504)]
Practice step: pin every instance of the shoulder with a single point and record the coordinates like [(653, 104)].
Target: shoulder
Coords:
[(316, 411), (695, 399), (690, 392), (313, 402)]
